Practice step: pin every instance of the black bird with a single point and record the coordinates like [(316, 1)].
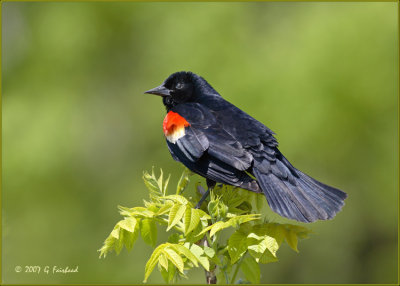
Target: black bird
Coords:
[(222, 143)]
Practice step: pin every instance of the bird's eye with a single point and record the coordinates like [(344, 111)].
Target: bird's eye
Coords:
[(179, 85)]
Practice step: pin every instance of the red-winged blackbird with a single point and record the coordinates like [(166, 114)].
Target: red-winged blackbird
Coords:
[(220, 142)]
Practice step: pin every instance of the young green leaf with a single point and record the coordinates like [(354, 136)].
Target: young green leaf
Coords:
[(152, 184), (128, 224), (232, 222), (183, 182), (165, 208), (251, 269), (237, 220), (196, 235), (119, 243), (177, 199), (291, 239), (260, 244), (267, 257), (131, 237), (192, 219), (203, 215), (209, 251), (174, 258), (148, 231), (163, 261), (199, 253), (277, 231), (108, 246), (262, 233), (136, 212), (115, 232), (181, 249), (168, 275), (237, 245), (152, 262), (175, 215)]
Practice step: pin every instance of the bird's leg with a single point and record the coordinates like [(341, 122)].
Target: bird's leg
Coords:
[(210, 185), (205, 195)]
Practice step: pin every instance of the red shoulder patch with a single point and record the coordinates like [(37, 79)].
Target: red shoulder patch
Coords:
[(173, 122)]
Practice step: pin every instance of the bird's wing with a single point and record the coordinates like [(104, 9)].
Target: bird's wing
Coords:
[(289, 192), (206, 135)]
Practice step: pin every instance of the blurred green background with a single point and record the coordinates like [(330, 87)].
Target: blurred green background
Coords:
[(78, 131)]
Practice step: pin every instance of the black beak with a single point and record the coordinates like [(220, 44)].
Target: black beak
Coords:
[(159, 90)]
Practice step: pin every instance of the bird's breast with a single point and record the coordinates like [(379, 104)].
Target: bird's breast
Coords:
[(174, 126)]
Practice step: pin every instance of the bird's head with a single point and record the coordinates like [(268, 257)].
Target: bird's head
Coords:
[(181, 87)]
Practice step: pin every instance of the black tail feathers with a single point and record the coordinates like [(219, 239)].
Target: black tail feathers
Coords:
[(298, 197)]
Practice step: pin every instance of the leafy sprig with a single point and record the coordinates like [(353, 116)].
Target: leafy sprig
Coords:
[(196, 239)]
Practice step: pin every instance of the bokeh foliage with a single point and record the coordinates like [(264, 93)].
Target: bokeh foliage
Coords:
[(78, 131)]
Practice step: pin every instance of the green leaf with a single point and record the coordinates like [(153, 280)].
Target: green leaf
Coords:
[(115, 232), (125, 233), (163, 261), (108, 246), (302, 232), (195, 235), (136, 212), (199, 253), (209, 251), (220, 225), (185, 252), (183, 182), (208, 228), (157, 187), (251, 269), (236, 200), (272, 244), (128, 224), (256, 245), (168, 275), (148, 230), (277, 231), (237, 220), (291, 238), (237, 245), (119, 243), (165, 208), (131, 237), (174, 258), (203, 215), (177, 199), (164, 188), (232, 222), (152, 262), (175, 215), (151, 183), (160, 182), (264, 232), (267, 257), (261, 244), (192, 219)]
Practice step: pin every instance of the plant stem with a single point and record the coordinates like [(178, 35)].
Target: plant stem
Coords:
[(237, 268), (211, 278)]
